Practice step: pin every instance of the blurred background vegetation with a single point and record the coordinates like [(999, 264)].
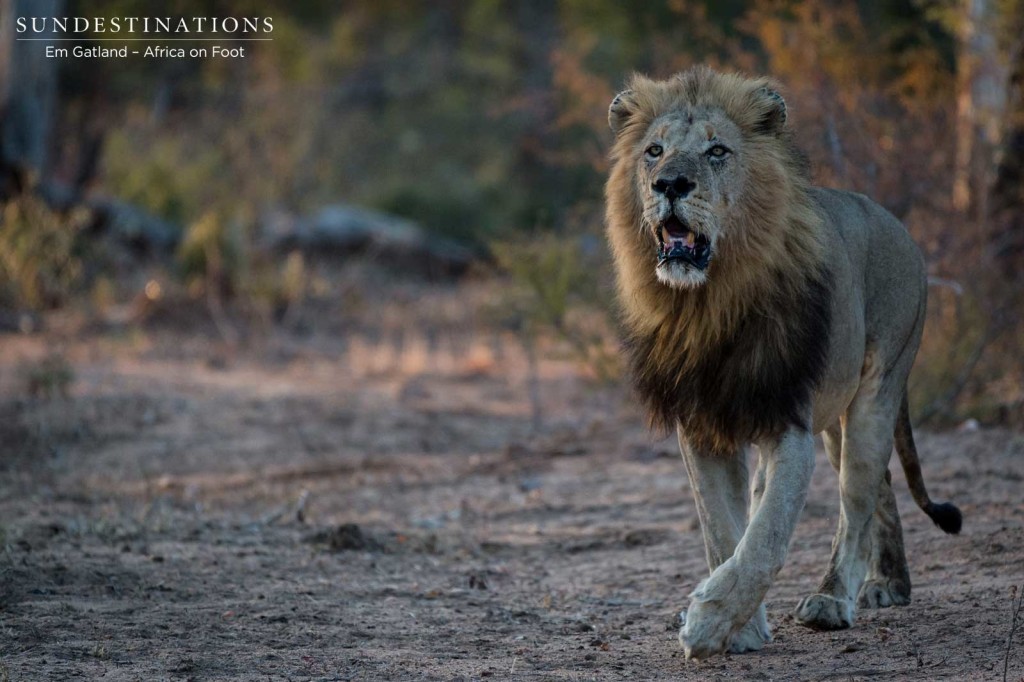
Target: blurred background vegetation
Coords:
[(468, 139)]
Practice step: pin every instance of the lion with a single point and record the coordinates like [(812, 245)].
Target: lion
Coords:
[(760, 310)]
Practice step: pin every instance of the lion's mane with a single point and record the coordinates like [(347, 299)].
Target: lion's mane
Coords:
[(738, 358)]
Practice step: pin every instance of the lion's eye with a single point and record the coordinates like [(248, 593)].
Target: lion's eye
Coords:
[(654, 150), (718, 151)]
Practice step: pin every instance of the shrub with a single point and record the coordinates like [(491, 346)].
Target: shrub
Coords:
[(558, 287), (39, 264)]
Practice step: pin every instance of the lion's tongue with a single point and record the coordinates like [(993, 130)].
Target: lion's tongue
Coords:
[(674, 240)]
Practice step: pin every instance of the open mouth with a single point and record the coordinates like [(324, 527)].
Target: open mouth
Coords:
[(677, 242)]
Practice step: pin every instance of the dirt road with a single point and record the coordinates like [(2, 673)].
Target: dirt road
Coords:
[(383, 510)]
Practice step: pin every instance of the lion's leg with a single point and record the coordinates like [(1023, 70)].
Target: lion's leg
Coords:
[(719, 484), (888, 579), (719, 489), (833, 439), (760, 481), (757, 631), (866, 448), (729, 603)]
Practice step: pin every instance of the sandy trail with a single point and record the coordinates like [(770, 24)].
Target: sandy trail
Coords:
[(382, 511)]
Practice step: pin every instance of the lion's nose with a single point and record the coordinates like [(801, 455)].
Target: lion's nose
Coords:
[(677, 187)]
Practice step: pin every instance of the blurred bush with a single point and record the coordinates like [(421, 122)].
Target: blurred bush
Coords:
[(559, 288), (957, 333), (215, 253), (466, 218), (175, 178), (40, 266)]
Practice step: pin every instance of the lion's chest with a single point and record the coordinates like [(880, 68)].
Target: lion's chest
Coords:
[(755, 382)]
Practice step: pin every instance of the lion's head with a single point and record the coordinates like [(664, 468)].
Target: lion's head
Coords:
[(704, 173)]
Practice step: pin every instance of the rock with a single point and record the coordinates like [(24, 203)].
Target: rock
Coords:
[(969, 426), (342, 230), (346, 537), (133, 226)]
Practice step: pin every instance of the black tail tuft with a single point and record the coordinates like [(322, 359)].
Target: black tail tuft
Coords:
[(946, 516)]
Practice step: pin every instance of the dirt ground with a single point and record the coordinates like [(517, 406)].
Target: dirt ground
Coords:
[(375, 504)]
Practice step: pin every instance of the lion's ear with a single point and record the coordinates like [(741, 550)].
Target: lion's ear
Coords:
[(620, 110), (772, 109)]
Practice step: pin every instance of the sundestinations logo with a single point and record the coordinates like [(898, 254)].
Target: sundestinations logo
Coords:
[(166, 37), (166, 25)]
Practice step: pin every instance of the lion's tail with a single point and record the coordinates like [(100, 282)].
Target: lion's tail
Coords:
[(945, 515)]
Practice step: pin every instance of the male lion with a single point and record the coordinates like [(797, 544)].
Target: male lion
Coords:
[(761, 310)]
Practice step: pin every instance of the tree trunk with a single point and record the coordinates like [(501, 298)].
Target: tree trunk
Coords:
[(980, 101), (28, 98), (1006, 201)]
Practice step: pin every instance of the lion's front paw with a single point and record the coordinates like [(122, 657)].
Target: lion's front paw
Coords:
[(876, 594), (752, 636), (704, 632), (717, 617), (824, 612)]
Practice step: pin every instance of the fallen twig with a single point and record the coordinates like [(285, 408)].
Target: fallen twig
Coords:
[(951, 284), (1016, 602)]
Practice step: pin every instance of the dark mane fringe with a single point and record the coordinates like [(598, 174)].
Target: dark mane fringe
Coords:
[(754, 384)]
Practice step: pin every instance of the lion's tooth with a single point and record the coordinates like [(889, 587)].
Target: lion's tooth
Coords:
[(690, 239)]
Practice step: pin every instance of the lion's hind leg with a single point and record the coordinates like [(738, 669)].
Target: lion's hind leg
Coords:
[(888, 578), (867, 440)]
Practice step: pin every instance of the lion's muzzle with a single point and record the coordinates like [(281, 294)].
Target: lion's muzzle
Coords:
[(677, 242)]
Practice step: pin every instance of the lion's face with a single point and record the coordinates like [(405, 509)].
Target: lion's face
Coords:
[(698, 159), (688, 174)]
